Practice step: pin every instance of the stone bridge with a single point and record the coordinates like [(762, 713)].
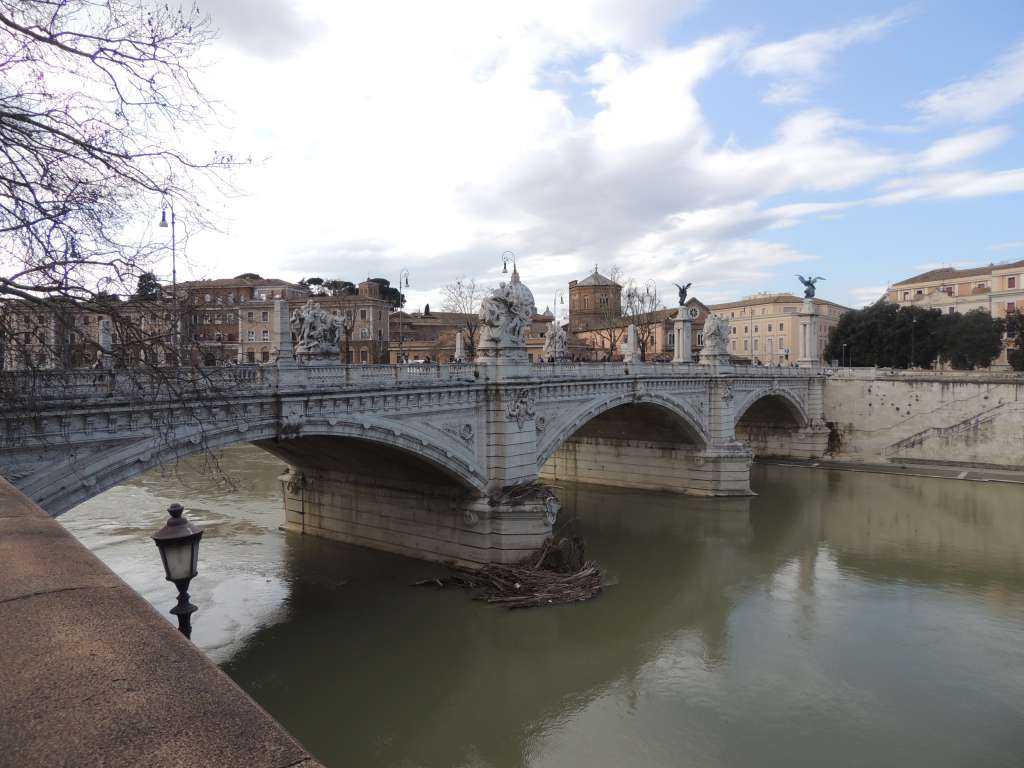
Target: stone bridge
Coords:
[(446, 462)]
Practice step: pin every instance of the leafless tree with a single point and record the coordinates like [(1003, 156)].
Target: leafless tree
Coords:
[(95, 101), (640, 306), (463, 297)]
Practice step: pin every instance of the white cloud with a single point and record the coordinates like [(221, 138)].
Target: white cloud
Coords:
[(438, 143), (867, 294), (965, 184), (800, 62), (982, 97), (958, 148), (1011, 245)]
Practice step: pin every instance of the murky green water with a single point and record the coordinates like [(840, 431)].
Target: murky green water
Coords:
[(836, 619)]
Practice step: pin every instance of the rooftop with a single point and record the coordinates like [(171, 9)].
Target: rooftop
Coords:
[(947, 273), (770, 298), (596, 279)]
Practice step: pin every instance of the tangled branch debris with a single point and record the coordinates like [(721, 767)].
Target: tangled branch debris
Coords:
[(556, 574)]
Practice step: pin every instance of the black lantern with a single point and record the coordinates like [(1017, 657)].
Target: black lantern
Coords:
[(178, 542)]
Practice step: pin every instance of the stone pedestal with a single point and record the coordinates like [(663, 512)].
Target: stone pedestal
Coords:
[(460, 349), (808, 336), (106, 344), (683, 330), (631, 347)]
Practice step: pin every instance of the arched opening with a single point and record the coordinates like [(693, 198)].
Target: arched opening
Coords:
[(771, 425), (631, 445)]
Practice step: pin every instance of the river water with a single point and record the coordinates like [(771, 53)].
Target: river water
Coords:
[(836, 618)]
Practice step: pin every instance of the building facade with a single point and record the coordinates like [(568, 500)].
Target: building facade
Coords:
[(594, 302), (765, 328), (215, 308)]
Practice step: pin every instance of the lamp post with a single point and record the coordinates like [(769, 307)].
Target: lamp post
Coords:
[(403, 275), (178, 542), (913, 327), (169, 203), (506, 257), (844, 356), (559, 299)]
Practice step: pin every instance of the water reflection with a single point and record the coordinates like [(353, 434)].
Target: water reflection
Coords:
[(835, 618)]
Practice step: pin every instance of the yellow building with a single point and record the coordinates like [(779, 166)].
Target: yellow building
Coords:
[(996, 288), (765, 328)]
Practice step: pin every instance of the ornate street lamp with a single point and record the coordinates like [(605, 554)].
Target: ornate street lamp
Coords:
[(178, 542), (506, 257), (403, 275), (169, 203)]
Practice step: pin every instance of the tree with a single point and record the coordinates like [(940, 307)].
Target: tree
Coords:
[(463, 298), (148, 287), (340, 287), (970, 340), (640, 308), (394, 296), (94, 96), (248, 276), (1015, 335)]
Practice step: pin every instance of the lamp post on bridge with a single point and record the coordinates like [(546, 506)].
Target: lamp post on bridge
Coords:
[(169, 203), (178, 542), (403, 275)]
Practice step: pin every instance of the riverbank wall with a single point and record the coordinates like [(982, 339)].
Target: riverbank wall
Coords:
[(956, 418), (93, 676)]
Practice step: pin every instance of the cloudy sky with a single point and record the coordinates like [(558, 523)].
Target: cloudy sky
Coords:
[(731, 144)]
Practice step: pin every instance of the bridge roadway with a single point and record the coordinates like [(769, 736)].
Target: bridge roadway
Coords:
[(445, 462)]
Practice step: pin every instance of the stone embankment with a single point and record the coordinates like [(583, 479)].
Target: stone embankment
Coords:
[(965, 419), (92, 676)]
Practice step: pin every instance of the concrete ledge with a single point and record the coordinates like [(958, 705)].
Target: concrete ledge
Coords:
[(92, 676)]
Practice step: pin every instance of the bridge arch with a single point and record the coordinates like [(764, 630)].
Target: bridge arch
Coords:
[(60, 488), (777, 399), (684, 417)]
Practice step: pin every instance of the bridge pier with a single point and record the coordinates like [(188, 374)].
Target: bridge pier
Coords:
[(416, 517)]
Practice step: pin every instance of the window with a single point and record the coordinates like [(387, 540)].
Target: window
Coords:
[(250, 356), (769, 345), (248, 316), (733, 330), (362, 314), (362, 356), (266, 335), (906, 295), (746, 345), (364, 333), (732, 315), (746, 329), (265, 356), (700, 339), (251, 336), (734, 345), (1011, 307), (948, 290), (206, 298), (769, 327), (264, 316), (782, 342), (231, 298), (1011, 282), (220, 319), (380, 334), (195, 319), (780, 327), (755, 329), (755, 345)]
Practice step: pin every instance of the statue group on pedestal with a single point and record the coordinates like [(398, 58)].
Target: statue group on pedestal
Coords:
[(808, 284), (556, 342), (316, 332), (504, 317)]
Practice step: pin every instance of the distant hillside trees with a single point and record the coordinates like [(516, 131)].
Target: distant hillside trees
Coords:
[(889, 336)]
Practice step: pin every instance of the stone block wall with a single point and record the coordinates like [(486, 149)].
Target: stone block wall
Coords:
[(927, 417)]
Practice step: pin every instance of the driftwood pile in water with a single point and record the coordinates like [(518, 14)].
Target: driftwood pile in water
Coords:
[(556, 574)]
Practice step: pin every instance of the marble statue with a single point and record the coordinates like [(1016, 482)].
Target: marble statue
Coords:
[(504, 317), (682, 292), (556, 343), (716, 335), (317, 333), (808, 284)]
